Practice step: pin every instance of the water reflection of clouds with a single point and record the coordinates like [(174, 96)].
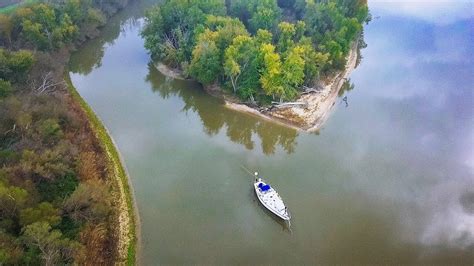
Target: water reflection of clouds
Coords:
[(433, 11), (423, 90), (450, 222), (413, 67)]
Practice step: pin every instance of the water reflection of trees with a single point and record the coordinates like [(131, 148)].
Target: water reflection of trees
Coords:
[(90, 55), (240, 128)]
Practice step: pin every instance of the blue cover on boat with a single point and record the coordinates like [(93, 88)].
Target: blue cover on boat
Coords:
[(265, 187)]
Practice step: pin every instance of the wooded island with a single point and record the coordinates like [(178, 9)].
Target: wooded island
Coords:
[(262, 51)]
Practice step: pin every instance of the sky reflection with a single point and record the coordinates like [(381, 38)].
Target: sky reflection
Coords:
[(424, 87)]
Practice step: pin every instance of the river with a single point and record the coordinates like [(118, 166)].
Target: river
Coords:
[(388, 179)]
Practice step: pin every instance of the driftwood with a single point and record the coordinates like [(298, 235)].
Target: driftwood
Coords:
[(308, 90), (289, 104)]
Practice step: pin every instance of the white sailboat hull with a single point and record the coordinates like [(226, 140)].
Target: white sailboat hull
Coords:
[(271, 200)]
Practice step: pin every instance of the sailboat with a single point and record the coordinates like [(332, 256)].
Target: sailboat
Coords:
[(270, 198)]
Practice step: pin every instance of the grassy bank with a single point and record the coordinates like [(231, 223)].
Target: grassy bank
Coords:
[(127, 245)]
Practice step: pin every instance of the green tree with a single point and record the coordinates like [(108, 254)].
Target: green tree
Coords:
[(264, 14), (169, 32), (263, 36), (46, 28), (238, 58), (293, 71), (12, 199), (14, 66), (205, 64), (300, 29), (43, 212), (53, 247), (286, 33), (226, 30), (314, 61), (332, 28), (257, 14), (271, 73)]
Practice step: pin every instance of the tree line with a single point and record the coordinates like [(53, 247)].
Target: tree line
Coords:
[(261, 50), (56, 203)]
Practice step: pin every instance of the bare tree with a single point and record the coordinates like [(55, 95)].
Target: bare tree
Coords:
[(47, 83)]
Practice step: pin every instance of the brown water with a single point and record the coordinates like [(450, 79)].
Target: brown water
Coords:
[(389, 179)]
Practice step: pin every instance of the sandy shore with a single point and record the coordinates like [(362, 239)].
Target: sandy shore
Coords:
[(309, 118), (169, 72), (319, 105)]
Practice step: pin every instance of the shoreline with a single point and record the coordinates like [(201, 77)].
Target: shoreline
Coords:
[(310, 119), (321, 104), (128, 219)]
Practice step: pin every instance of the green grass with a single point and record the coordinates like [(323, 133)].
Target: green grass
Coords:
[(9, 9), (113, 161)]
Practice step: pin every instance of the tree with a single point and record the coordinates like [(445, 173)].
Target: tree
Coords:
[(300, 29), (286, 34), (170, 28), (43, 212), (238, 57), (46, 28), (90, 202), (264, 14), (270, 78), (227, 29), (333, 29), (20, 63), (293, 71), (263, 36), (53, 247), (77, 10), (14, 66), (314, 61), (12, 199), (205, 63)]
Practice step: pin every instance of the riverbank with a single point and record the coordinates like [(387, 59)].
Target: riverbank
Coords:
[(127, 213), (308, 117), (317, 105)]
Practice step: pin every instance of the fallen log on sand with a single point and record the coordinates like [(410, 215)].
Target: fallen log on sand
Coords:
[(289, 104)]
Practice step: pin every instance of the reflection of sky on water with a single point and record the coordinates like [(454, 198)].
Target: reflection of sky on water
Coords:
[(419, 69), (430, 11)]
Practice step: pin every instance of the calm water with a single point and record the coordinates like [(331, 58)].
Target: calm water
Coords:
[(389, 179)]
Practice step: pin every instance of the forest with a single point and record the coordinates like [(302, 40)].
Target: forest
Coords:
[(56, 198), (260, 50)]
